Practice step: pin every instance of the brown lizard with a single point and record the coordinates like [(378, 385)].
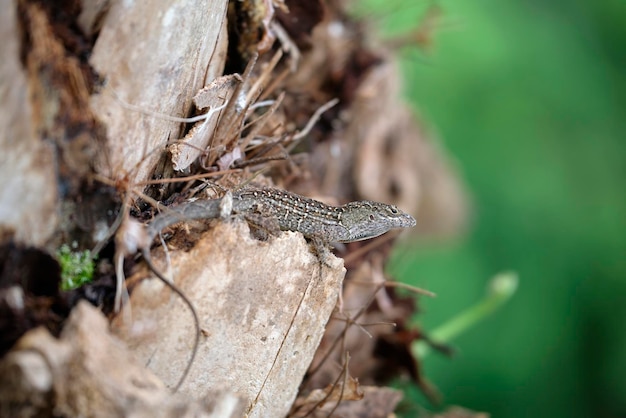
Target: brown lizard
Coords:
[(323, 224), (354, 221)]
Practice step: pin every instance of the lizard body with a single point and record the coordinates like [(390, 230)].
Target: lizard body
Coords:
[(354, 221)]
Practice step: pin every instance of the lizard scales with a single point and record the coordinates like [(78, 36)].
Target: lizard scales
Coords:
[(353, 221)]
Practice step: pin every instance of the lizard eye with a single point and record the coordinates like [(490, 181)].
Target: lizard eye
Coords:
[(393, 210), (371, 217)]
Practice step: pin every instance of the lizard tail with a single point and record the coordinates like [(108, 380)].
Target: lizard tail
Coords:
[(146, 256)]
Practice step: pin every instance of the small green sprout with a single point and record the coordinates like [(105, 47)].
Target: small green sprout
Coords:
[(77, 267), (500, 290)]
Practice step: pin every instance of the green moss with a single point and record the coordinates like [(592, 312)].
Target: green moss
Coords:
[(77, 267)]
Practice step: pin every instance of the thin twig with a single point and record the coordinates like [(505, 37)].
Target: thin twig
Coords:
[(312, 121)]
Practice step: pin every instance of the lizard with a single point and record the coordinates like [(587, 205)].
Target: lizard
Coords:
[(321, 223), (354, 221)]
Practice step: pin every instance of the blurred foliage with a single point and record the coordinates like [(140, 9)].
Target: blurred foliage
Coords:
[(530, 99)]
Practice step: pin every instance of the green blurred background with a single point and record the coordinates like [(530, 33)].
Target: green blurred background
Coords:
[(529, 99)]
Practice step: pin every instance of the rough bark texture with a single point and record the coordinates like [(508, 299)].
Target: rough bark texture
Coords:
[(27, 169), (263, 309), (90, 373), (155, 55)]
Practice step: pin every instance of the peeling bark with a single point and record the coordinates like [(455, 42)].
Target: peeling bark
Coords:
[(155, 55)]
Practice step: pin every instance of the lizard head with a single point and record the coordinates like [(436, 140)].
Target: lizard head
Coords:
[(370, 219)]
